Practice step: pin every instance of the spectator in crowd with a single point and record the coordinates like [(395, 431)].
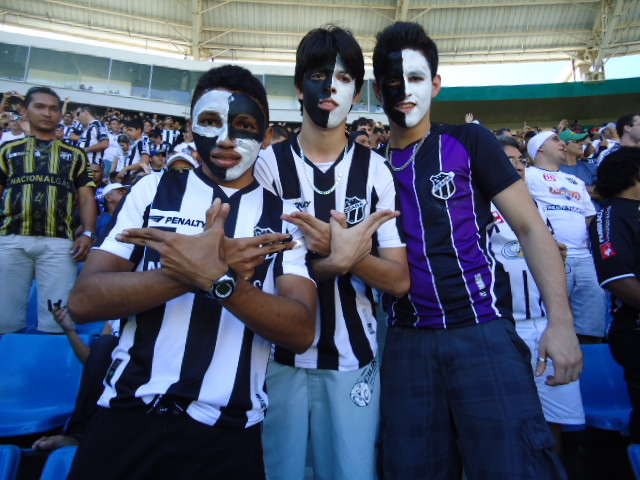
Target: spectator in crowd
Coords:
[(376, 139), (111, 196), (628, 131), (362, 123), (157, 144), (567, 204), (147, 127), (171, 134), (187, 146), (456, 378), (327, 398), (71, 127), (120, 160), (280, 134), (94, 140), (615, 236), (561, 404), (506, 131), (37, 235), (14, 132), (574, 162), (112, 151), (181, 162), (610, 139), (185, 392), (361, 137), (97, 171), (137, 159)]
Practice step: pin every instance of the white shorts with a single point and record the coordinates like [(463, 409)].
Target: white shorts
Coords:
[(561, 404)]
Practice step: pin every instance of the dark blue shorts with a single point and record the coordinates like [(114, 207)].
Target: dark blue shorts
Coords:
[(463, 396)]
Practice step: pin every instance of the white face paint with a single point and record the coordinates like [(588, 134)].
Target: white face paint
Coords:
[(249, 150), (213, 101), (343, 96), (414, 67)]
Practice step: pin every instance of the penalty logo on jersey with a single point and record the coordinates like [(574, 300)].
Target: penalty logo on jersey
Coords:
[(354, 209), (443, 185)]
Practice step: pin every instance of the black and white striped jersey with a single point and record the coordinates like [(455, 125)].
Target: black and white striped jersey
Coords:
[(134, 155), (191, 346), (172, 137), (75, 127), (95, 132), (346, 324)]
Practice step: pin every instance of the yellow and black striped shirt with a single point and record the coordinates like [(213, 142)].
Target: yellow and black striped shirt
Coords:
[(40, 180)]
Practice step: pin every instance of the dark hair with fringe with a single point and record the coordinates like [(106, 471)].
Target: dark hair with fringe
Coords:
[(234, 79), (321, 45), (88, 108), (28, 98), (623, 121), (618, 171), (400, 36)]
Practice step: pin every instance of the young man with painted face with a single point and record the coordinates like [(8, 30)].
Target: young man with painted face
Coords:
[(184, 396), (330, 393), (457, 385)]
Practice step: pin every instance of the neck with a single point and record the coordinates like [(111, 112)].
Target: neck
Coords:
[(631, 193), (628, 142), (545, 163), (40, 135), (570, 160), (401, 137), (16, 131), (321, 145)]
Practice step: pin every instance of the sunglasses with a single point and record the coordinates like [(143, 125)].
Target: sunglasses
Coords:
[(180, 169)]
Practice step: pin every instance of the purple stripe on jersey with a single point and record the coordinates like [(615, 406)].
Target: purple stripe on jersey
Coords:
[(423, 295), (476, 269)]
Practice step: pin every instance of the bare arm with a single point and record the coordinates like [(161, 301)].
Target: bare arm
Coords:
[(559, 340), (98, 147), (88, 213), (626, 289), (388, 272)]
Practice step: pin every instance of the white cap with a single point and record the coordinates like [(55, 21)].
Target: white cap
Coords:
[(183, 156), (537, 141), (111, 187)]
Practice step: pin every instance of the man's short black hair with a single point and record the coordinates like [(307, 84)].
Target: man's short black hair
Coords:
[(135, 123), (502, 130), (618, 171), (88, 108), (321, 45), (280, 132), (400, 36), (124, 139), (234, 79), (28, 98), (356, 124), (507, 141), (154, 133), (623, 121)]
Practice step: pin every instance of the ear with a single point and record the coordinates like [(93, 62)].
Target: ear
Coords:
[(376, 91), (437, 84), (300, 95), (190, 126), (267, 138), (356, 99)]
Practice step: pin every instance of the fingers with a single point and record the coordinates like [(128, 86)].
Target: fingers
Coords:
[(143, 236), (339, 217), (302, 218), (374, 221), (541, 365)]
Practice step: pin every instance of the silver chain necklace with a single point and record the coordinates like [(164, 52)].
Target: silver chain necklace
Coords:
[(39, 150), (411, 159), (311, 184)]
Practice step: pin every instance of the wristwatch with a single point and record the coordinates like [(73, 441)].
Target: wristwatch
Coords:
[(91, 235), (224, 287)]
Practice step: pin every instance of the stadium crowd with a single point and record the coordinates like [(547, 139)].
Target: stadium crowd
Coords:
[(239, 253)]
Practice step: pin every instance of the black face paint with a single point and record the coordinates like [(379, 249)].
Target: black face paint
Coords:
[(393, 88), (315, 90), (232, 109)]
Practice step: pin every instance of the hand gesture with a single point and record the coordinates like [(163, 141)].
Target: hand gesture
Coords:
[(245, 254), (61, 316), (563, 125), (317, 233), (468, 118), (193, 260)]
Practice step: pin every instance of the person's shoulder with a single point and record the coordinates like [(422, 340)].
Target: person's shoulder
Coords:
[(13, 143), (65, 146)]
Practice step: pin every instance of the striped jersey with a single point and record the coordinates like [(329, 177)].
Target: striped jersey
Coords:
[(172, 137), (191, 346), (346, 323), (75, 127), (445, 196), (40, 179), (526, 300), (95, 132)]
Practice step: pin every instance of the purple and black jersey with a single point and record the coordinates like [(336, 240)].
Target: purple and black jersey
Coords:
[(445, 198)]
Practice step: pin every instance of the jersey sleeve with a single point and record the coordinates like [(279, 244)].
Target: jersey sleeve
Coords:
[(492, 171), (84, 177), (132, 213), (613, 244), (102, 132), (390, 234), (294, 261)]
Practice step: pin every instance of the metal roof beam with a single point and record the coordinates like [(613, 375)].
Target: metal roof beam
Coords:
[(402, 7), (196, 19)]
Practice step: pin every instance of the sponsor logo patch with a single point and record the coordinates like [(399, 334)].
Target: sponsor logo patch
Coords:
[(606, 250), (549, 177)]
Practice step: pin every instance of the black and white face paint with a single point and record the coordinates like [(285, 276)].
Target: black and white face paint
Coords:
[(328, 92), (406, 87), (219, 115)]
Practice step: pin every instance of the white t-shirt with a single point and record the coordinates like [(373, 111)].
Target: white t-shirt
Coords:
[(8, 136), (564, 199)]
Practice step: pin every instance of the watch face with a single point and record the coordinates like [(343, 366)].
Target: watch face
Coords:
[(224, 287)]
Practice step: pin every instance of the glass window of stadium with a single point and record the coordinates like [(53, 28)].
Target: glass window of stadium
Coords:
[(68, 70), (129, 79), (172, 84), (281, 92), (13, 61)]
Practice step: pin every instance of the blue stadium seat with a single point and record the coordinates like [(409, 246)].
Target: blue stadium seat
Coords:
[(39, 381), (9, 461), (604, 390), (58, 464)]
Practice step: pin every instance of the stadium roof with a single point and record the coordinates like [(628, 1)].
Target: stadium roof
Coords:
[(466, 31)]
